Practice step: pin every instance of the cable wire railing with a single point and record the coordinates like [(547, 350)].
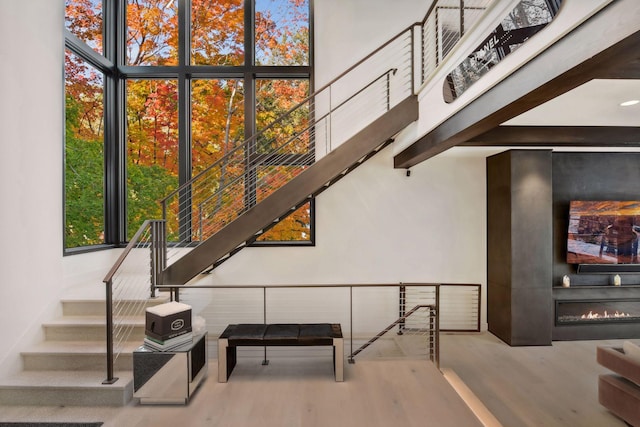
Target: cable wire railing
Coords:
[(361, 309), (443, 27), (429, 328), (129, 286), (264, 162)]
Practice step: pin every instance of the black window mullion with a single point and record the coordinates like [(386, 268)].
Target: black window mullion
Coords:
[(112, 127), (249, 103), (184, 118), (117, 36)]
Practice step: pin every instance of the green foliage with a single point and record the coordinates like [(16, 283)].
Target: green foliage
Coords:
[(146, 186), (84, 184)]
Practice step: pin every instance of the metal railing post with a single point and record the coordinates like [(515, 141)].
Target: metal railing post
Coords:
[(402, 307), (437, 331), (461, 18), (265, 361), (351, 360), (158, 254), (109, 331)]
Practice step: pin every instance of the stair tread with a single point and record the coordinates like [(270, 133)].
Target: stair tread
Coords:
[(65, 379), (77, 347), (92, 320), (151, 301)]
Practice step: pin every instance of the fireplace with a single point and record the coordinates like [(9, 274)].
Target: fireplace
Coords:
[(596, 312), (575, 312)]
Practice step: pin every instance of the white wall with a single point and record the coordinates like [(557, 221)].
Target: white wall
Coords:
[(379, 226), (31, 132), (347, 31)]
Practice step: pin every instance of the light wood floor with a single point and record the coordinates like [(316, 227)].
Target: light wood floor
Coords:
[(531, 386), (521, 386)]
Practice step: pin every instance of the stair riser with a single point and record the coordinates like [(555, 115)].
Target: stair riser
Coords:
[(53, 396), (86, 332), (64, 362), (83, 308)]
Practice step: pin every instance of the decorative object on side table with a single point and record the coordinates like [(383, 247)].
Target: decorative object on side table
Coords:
[(168, 326), (566, 281)]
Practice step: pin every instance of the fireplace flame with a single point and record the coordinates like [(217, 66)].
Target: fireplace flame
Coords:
[(592, 315)]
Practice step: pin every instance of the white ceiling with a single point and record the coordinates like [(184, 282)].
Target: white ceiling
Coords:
[(595, 103)]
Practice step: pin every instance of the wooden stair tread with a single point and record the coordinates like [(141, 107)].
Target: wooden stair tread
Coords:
[(65, 380), (93, 320), (77, 347)]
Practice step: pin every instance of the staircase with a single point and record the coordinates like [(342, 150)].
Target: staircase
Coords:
[(68, 367), (293, 194)]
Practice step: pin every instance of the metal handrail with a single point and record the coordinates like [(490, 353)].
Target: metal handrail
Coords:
[(132, 244), (432, 308)]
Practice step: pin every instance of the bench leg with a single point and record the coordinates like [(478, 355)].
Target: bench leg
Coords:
[(338, 358), (223, 344), (226, 359)]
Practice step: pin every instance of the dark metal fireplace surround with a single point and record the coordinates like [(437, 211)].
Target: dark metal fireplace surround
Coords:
[(576, 176)]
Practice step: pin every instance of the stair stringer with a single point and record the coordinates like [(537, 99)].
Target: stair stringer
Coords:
[(289, 196)]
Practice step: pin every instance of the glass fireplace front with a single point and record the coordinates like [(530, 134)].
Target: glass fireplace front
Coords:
[(574, 312)]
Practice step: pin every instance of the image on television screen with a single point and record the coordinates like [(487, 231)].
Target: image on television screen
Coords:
[(603, 232)]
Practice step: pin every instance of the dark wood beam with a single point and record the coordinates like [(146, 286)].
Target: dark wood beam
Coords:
[(559, 136), (594, 48), (630, 70)]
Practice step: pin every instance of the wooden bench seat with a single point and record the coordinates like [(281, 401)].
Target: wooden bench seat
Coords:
[(278, 334)]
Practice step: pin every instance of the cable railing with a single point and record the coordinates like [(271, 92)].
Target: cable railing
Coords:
[(444, 25), (129, 286), (264, 162), (275, 155), (362, 310), (428, 328)]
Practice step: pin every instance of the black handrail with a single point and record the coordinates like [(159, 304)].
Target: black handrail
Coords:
[(433, 311)]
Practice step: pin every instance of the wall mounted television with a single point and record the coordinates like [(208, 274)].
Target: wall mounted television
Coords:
[(604, 233)]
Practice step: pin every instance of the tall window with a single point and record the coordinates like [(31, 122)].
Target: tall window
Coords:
[(156, 97)]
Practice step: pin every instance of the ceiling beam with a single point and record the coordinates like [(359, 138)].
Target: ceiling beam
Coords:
[(593, 48), (558, 136), (630, 70)]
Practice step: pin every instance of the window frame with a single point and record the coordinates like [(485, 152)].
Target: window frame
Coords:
[(116, 73)]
